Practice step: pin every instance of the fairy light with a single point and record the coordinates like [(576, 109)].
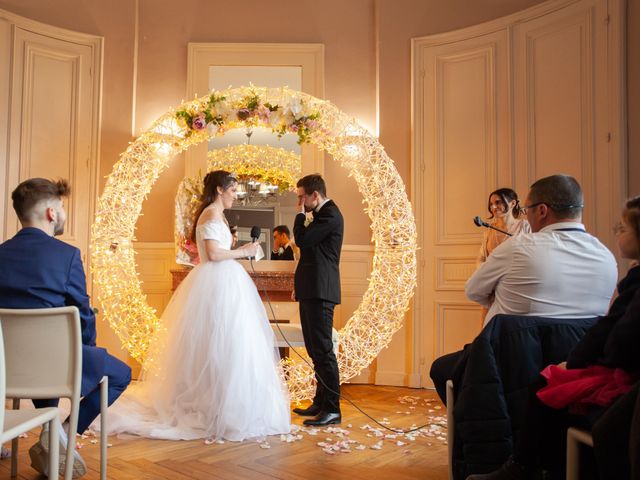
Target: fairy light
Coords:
[(265, 163), (393, 278)]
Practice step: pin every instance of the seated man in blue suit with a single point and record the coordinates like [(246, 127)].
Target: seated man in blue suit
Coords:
[(40, 271)]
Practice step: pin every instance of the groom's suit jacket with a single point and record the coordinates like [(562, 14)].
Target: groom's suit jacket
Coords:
[(40, 271), (317, 275)]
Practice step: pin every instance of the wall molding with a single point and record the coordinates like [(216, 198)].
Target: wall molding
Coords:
[(452, 272)]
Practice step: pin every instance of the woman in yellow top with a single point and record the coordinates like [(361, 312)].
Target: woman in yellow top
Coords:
[(505, 214)]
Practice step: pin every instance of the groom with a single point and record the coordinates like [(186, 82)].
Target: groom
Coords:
[(39, 271), (317, 289)]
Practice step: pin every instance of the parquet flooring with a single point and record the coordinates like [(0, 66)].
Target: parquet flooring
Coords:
[(424, 458)]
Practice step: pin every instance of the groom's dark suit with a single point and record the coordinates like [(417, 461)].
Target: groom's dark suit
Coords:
[(40, 271), (317, 288)]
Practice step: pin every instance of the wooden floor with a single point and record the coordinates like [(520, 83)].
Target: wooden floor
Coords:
[(303, 457)]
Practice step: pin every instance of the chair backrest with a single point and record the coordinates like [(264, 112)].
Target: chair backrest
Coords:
[(43, 352)]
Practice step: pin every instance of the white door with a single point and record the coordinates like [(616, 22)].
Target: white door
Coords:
[(53, 121), (500, 105), (463, 154)]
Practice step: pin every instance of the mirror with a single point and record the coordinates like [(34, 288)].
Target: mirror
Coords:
[(261, 205)]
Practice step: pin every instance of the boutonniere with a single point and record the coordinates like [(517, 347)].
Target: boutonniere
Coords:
[(280, 251), (308, 219)]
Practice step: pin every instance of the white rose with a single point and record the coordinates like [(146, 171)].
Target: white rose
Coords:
[(296, 107), (308, 220), (222, 108)]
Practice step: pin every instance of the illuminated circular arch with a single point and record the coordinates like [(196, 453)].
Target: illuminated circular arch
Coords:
[(393, 277)]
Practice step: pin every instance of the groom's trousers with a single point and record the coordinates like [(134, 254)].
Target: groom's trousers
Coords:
[(316, 318)]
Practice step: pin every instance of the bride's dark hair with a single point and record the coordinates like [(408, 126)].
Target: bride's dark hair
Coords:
[(213, 180)]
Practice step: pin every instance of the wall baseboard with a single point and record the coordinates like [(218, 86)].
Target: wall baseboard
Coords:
[(396, 379)]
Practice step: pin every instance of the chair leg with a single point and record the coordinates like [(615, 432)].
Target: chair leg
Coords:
[(576, 436), (104, 404), (573, 460), (450, 426), (14, 457), (71, 439), (14, 445), (54, 448)]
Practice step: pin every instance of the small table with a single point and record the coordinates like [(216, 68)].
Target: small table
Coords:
[(278, 284)]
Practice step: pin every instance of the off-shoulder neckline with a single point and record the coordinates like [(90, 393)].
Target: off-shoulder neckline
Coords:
[(213, 220)]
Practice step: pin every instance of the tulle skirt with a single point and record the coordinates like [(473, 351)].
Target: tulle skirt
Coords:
[(213, 369)]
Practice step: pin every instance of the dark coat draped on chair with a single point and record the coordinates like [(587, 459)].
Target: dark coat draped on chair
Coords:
[(501, 364)]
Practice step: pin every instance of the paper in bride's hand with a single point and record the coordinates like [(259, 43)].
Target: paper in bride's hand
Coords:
[(259, 253)]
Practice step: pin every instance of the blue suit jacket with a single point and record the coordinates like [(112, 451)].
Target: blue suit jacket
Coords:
[(40, 271)]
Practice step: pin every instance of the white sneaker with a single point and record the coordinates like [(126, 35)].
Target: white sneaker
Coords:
[(39, 454), (5, 453)]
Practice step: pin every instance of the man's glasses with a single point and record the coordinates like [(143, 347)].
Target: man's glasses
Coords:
[(527, 207), (553, 206)]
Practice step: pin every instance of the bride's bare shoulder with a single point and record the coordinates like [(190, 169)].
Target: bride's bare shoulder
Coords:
[(210, 215)]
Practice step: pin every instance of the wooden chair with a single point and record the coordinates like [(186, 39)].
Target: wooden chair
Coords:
[(13, 423), (44, 360)]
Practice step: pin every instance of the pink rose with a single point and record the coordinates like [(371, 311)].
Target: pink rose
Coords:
[(243, 113), (264, 113), (198, 122), (190, 247)]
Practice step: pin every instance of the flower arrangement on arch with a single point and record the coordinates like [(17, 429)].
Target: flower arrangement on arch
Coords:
[(222, 113), (186, 204)]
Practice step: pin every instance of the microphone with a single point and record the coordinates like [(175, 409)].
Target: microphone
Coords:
[(255, 233), (480, 223)]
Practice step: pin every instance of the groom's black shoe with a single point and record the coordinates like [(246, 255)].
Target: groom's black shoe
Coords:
[(311, 411), (323, 419)]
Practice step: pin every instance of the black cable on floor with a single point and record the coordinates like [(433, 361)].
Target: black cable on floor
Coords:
[(344, 397)]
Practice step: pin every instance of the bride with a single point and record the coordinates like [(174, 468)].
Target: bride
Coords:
[(212, 370)]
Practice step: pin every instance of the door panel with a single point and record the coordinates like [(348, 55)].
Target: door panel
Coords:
[(50, 137), (53, 124), (558, 72), (462, 157)]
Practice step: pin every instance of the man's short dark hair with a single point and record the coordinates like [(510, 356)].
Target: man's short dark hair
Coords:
[(282, 229), (561, 193), (35, 190), (313, 183)]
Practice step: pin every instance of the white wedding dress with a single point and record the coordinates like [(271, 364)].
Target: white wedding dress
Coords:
[(213, 369)]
